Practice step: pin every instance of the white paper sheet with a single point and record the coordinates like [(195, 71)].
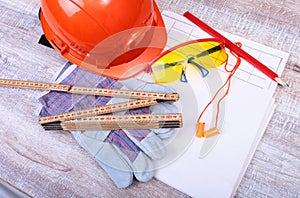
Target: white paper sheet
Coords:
[(244, 116)]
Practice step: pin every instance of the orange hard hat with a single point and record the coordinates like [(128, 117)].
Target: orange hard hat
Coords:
[(114, 38)]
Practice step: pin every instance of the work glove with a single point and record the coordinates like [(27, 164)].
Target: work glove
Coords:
[(123, 154)]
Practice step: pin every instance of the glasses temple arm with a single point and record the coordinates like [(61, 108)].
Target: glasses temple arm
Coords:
[(202, 69)]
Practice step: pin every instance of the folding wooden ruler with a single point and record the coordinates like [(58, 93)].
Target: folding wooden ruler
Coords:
[(114, 122), (94, 118), (88, 90)]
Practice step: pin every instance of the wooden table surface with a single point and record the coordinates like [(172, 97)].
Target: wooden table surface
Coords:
[(44, 164)]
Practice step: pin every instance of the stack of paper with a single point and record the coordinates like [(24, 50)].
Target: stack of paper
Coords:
[(214, 167)]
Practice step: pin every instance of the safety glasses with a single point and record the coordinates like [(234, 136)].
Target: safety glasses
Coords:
[(204, 54)]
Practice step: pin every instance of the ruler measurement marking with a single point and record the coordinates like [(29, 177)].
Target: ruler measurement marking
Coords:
[(134, 117)]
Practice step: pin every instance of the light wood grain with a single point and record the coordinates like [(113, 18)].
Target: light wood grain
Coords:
[(47, 164)]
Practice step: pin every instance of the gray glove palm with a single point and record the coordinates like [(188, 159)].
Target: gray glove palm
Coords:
[(127, 153)]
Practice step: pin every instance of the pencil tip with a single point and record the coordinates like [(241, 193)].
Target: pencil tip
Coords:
[(281, 82)]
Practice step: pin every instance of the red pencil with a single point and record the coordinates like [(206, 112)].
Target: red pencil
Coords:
[(240, 52)]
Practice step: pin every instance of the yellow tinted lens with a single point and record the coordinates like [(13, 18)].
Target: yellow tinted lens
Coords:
[(169, 67), (208, 54)]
